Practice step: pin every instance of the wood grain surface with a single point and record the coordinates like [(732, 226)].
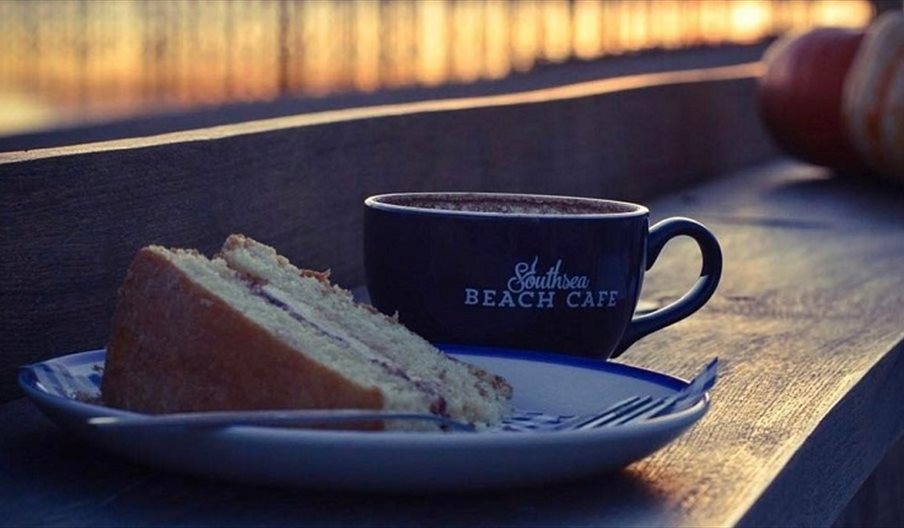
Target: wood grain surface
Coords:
[(72, 218), (808, 324)]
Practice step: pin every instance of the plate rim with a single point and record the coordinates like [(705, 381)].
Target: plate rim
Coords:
[(681, 419)]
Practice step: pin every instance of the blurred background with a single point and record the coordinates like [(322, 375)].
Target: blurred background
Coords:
[(66, 63)]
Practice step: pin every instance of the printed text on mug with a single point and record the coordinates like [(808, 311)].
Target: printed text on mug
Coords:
[(529, 288)]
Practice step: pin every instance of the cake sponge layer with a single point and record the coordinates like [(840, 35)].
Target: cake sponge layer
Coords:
[(461, 390), (180, 343), (249, 330)]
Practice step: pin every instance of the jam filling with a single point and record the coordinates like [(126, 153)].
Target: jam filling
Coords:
[(278, 298)]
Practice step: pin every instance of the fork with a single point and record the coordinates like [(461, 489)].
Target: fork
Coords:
[(631, 410), (637, 408)]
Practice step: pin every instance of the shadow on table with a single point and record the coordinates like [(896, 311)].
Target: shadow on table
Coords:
[(60, 480), (866, 198)]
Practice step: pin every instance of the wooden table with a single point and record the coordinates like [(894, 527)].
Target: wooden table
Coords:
[(808, 324)]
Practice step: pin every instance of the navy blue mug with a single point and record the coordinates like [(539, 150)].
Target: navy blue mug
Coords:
[(549, 273)]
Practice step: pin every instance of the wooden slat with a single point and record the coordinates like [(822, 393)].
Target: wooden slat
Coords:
[(545, 76), (73, 217), (880, 500), (558, 93), (808, 323)]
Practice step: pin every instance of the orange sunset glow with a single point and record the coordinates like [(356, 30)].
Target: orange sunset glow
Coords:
[(81, 60)]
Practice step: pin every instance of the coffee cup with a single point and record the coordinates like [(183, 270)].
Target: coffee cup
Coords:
[(552, 273)]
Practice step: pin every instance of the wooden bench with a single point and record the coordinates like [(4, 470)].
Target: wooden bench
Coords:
[(808, 321)]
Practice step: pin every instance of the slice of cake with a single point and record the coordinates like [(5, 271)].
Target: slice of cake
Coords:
[(248, 330)]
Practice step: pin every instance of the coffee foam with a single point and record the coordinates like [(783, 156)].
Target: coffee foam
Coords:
[(510, 204)]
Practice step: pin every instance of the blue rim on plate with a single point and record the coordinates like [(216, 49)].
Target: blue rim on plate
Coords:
[(41, 381), (397, 461)]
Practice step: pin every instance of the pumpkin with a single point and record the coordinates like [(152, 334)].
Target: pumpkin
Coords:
[(800, 95), (873, 99)]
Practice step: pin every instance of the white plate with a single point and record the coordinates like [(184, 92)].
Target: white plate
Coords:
[(394, 461)]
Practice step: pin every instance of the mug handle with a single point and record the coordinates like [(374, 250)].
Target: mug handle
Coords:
[(690, 302)]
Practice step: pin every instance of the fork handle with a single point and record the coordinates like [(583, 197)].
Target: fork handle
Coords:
[(265, 418)]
